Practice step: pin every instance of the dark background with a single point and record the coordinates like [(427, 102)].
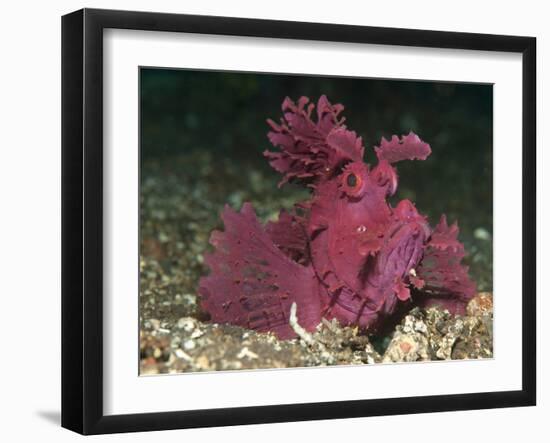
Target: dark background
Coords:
[(223, 114)]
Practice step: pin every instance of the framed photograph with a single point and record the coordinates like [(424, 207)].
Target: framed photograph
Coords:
[(269, 221)]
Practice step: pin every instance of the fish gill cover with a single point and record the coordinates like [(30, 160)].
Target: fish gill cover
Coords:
[(346, 253)]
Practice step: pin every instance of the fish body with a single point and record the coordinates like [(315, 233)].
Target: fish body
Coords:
[(346, 253)]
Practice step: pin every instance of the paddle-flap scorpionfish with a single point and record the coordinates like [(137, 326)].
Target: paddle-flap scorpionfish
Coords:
[(346, 253)]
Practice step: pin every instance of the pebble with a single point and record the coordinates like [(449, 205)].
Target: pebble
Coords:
[(480, 305), (181, 354), (482, 234), (247, 353), (187, 324), (188, 345)]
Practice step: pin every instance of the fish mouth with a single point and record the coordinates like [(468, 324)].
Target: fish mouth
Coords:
[(402, 251)]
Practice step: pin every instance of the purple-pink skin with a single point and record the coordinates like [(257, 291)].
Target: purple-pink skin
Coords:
[(346, 253)]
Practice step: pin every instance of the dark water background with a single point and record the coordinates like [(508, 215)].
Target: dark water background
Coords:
[(215, 122)]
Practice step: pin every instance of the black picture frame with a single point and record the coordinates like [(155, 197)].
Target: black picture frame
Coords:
[(82, 218)]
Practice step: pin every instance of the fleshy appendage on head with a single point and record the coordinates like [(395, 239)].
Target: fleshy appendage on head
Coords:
[(312, 151), (406, 147)]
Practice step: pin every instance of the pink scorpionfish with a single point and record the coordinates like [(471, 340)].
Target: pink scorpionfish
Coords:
[(346, 253)]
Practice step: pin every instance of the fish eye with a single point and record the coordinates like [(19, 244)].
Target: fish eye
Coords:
[(351, 180)]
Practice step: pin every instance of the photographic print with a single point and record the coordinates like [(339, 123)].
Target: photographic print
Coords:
[(250, 204), (300, 221)]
